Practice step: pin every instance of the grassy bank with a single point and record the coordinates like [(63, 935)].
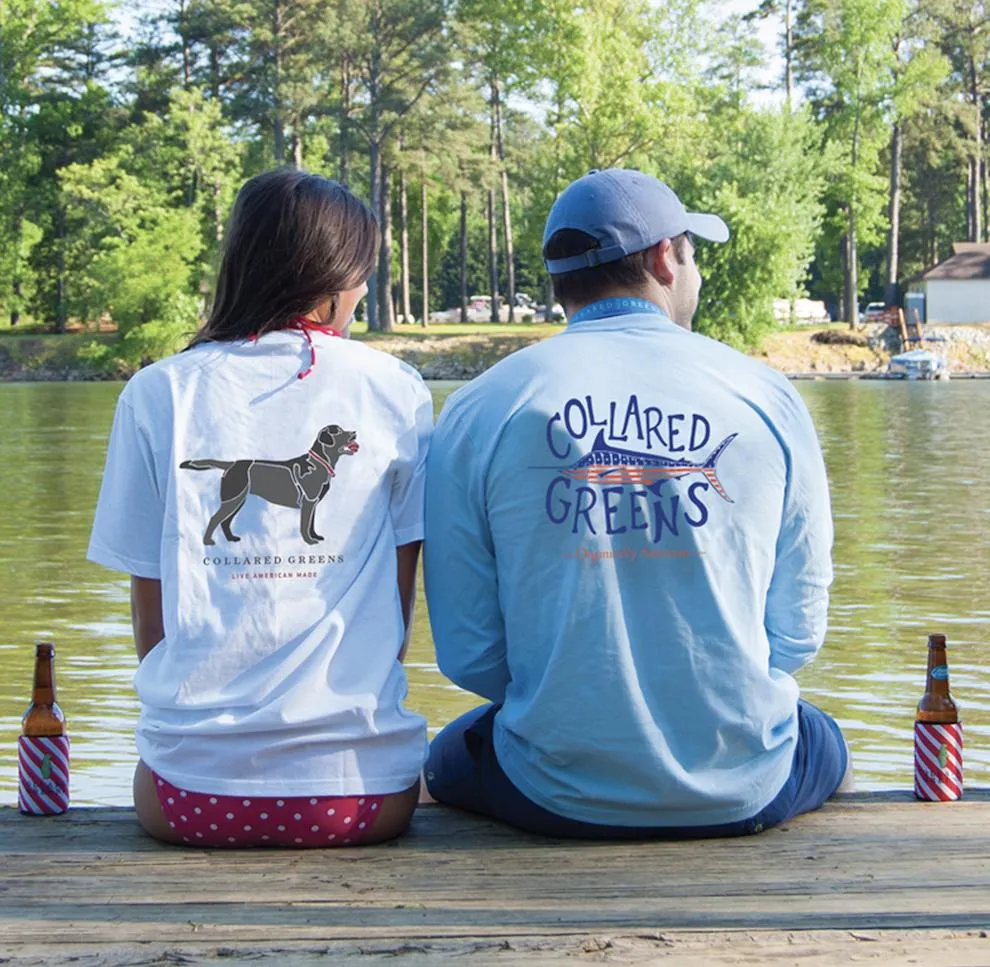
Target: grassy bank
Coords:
[(463, 350), (33, 355)]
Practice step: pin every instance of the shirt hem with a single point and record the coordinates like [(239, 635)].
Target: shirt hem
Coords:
[(683, 818), (358, 786), (409, 535), (99, 554)]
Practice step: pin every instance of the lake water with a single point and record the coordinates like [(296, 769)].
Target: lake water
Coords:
[(908, 464)]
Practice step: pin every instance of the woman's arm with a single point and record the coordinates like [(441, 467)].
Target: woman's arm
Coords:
[(146, 614), (407, 557)]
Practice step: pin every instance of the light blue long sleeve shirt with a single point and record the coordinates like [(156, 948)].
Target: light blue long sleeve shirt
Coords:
[(628, 542)]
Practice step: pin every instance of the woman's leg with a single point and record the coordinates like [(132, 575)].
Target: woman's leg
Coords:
[(149, 809), (391, 820), (394, 816)]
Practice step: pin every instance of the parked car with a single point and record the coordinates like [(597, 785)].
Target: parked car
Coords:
[(873, 310)]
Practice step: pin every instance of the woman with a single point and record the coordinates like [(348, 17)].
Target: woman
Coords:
[(264, 491)]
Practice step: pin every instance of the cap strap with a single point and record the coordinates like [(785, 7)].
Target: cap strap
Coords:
[(586, 260)]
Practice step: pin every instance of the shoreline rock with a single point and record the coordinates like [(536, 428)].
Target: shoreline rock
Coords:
[(799, 352)]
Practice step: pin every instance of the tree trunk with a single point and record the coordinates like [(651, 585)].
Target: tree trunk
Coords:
[(61, 315), (375, 181), (492, 256), (214, 58), (278, 125), (970, 199), (464, 256), (17, 289), (345, 121), (404, 247), (15, 311), (852, 256), (297, 158), (789, 52), (976, 160), (932, 237), (510, 269), (985, 194), (385, 316), (186, 53), (852, 275), (493, 233), (217, 212), (893, 234), (424, 205)]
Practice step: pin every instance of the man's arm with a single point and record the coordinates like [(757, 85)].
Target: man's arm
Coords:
[(407, 557), (797, 601), (461, 578), (146, 614)]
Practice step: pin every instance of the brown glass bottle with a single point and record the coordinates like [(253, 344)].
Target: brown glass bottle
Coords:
[(43, 716), (936, 704)]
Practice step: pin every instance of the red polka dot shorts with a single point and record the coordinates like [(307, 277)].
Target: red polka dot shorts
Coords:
[(238, 821)]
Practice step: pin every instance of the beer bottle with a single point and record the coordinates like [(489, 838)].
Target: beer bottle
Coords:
[(938, 741), (43, 748)]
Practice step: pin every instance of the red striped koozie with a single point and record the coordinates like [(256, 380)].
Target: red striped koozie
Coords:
[(43, 775), (938, 762)]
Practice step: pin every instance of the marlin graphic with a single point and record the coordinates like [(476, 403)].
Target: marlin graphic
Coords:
[(606, 464)]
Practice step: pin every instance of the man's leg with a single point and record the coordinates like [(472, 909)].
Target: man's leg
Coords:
[(454, 764), (822, 766), (462, 770)]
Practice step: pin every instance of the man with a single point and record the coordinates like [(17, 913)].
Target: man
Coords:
[(628, 544)]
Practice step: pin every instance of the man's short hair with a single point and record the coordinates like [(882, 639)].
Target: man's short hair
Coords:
[(583, 286)]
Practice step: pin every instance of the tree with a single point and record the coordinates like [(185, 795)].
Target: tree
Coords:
[(847, 59), (765, 178), (965, 34), (918, 72), (785, 10), (41, 46), (401, 51)]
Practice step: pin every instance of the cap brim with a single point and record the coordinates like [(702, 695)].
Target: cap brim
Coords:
[(709, 227)]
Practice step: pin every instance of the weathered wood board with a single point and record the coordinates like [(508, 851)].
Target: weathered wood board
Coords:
[(879, 872)]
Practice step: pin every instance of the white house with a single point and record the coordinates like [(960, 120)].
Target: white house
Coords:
[(957, 290)]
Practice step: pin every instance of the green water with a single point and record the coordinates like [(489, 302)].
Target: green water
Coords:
[(907, 463)]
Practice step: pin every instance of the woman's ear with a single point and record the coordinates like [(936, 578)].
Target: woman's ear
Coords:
[(658, 261), (329, 317)]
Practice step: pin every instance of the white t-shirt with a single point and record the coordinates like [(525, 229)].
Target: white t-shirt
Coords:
[(270, 508)]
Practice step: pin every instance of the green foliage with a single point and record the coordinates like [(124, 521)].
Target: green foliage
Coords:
[(146, 342), (119, 160), (766, 182), (129, 250)]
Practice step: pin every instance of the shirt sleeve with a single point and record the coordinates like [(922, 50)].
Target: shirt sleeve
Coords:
[(459, 565), (797, 602), (409, 472), (127, 529)]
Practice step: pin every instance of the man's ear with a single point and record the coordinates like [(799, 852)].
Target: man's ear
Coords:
[(658, 261)]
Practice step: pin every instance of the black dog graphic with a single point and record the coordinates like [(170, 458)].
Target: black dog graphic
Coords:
[(300, 482)]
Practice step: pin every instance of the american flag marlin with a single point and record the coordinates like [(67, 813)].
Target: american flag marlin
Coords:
[(606, 464)]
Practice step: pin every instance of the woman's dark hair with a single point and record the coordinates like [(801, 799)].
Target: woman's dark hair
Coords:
[(586, 285), (293, 240)]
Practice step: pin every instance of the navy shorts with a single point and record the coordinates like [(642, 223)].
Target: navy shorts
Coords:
[(461, 770)]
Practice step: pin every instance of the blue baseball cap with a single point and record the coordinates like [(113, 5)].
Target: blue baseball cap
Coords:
[(627, 211)]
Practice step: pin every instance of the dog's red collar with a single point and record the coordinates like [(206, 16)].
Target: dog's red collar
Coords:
[(320, 459)]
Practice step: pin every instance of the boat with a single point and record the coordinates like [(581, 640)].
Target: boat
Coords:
[(918, 364)]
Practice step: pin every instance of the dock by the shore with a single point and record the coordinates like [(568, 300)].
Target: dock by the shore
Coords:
[(871, 876)]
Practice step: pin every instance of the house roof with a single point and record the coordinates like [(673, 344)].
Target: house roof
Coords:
[(969, 260)]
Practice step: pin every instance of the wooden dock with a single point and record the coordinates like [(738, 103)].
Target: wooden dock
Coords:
[(875, 878)]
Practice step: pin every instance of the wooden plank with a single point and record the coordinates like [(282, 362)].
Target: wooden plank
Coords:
[(865, 862), (812, 948)]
